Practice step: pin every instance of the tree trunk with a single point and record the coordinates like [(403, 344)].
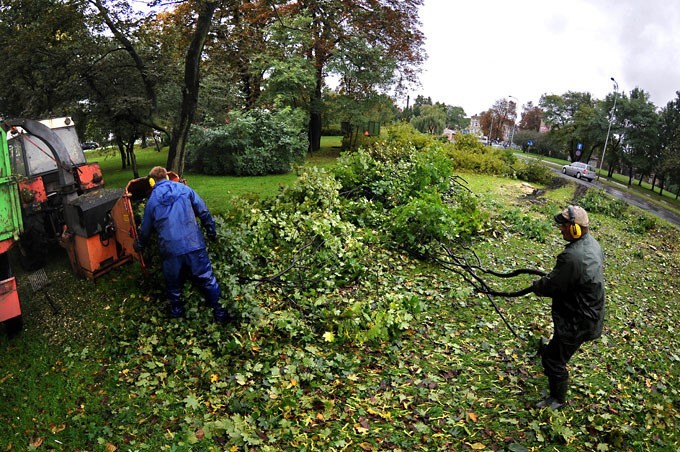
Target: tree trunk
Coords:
[(123, 153), (132, 159), (653, 182), (180, 133), (642, 175), (630, 176), (661, 181), (315, 113)]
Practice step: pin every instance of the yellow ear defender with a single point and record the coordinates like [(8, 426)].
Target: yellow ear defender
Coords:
[(152, 182), (574, 229)]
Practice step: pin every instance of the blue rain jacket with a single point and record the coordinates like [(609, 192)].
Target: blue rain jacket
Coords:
[(171, 211)]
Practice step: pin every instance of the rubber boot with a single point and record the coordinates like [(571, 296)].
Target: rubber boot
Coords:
[(220, 314), (558, 395), (176, 309), (542, 345)]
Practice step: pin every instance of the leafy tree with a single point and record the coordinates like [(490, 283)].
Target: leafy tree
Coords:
[(339, 108), (498, 118), (190, 88), (455, 118), (366, 28), (42, 42), (560, 113), (640, 133), (432, 120), (531, 117), (669, 138)]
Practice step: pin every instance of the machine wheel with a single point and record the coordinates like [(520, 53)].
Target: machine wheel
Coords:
[(578, 175), (14, 326), (564, 171), (34, 244)]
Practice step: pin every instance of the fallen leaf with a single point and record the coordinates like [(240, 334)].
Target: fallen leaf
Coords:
[(477, 446), (57, 428), (37, 442), (110, 447), (472, 416)]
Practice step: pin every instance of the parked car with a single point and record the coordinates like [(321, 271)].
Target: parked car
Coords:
[(89, 145), (579, 170)]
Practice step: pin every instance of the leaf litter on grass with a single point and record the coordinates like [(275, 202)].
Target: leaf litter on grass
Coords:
[(453, 379)]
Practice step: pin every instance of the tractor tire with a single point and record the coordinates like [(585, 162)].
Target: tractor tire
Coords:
[(34, 244)]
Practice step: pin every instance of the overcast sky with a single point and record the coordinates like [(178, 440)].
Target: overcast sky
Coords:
[(480, 51)]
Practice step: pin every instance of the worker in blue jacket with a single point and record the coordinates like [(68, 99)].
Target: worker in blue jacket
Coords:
[(171, 211)]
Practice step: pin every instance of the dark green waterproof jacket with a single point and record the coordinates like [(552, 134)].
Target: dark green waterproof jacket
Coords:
[(576, 286)]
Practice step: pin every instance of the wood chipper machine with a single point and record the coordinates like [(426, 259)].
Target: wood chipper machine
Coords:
[(56, 197)]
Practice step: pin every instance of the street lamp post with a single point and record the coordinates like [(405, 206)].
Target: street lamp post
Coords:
[(609, 128)]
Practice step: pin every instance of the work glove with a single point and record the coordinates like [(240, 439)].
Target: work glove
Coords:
[(137, 245), (211, 234)]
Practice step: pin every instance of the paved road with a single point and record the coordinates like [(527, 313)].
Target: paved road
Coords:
[(619, 191)]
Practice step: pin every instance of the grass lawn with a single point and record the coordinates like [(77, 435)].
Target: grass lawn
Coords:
[(109, 372), (216, 190)]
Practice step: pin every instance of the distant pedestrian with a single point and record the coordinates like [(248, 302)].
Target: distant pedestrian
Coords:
[(171, 211)]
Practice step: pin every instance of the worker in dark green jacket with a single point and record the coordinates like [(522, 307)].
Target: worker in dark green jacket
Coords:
[(576, 286)]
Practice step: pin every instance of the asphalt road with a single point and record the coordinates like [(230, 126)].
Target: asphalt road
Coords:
[(619, 191)]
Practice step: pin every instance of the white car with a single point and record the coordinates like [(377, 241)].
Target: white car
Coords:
[(580, 170)]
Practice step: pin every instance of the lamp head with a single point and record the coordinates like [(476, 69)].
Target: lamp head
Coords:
[(616, 85)]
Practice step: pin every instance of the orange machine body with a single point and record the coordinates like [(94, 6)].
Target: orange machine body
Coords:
[(9, 299)]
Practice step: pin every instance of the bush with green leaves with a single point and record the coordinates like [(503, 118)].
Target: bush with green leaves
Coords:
[(253, 143), (597, 201), (524, 225), (469, 155), (643, 223), (532, 171), (296, 238), (428, 220)]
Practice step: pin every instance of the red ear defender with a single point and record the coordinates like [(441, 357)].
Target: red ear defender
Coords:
[(574, 229)]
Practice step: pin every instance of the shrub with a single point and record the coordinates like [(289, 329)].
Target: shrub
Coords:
[(299, 230), (391, 175), (597, 201), (254, 143), (526, 226), (405, 135), (533, 172), (642, 224), (420, 225)]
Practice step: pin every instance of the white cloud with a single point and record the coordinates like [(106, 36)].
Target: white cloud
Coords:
[(484, 50)]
